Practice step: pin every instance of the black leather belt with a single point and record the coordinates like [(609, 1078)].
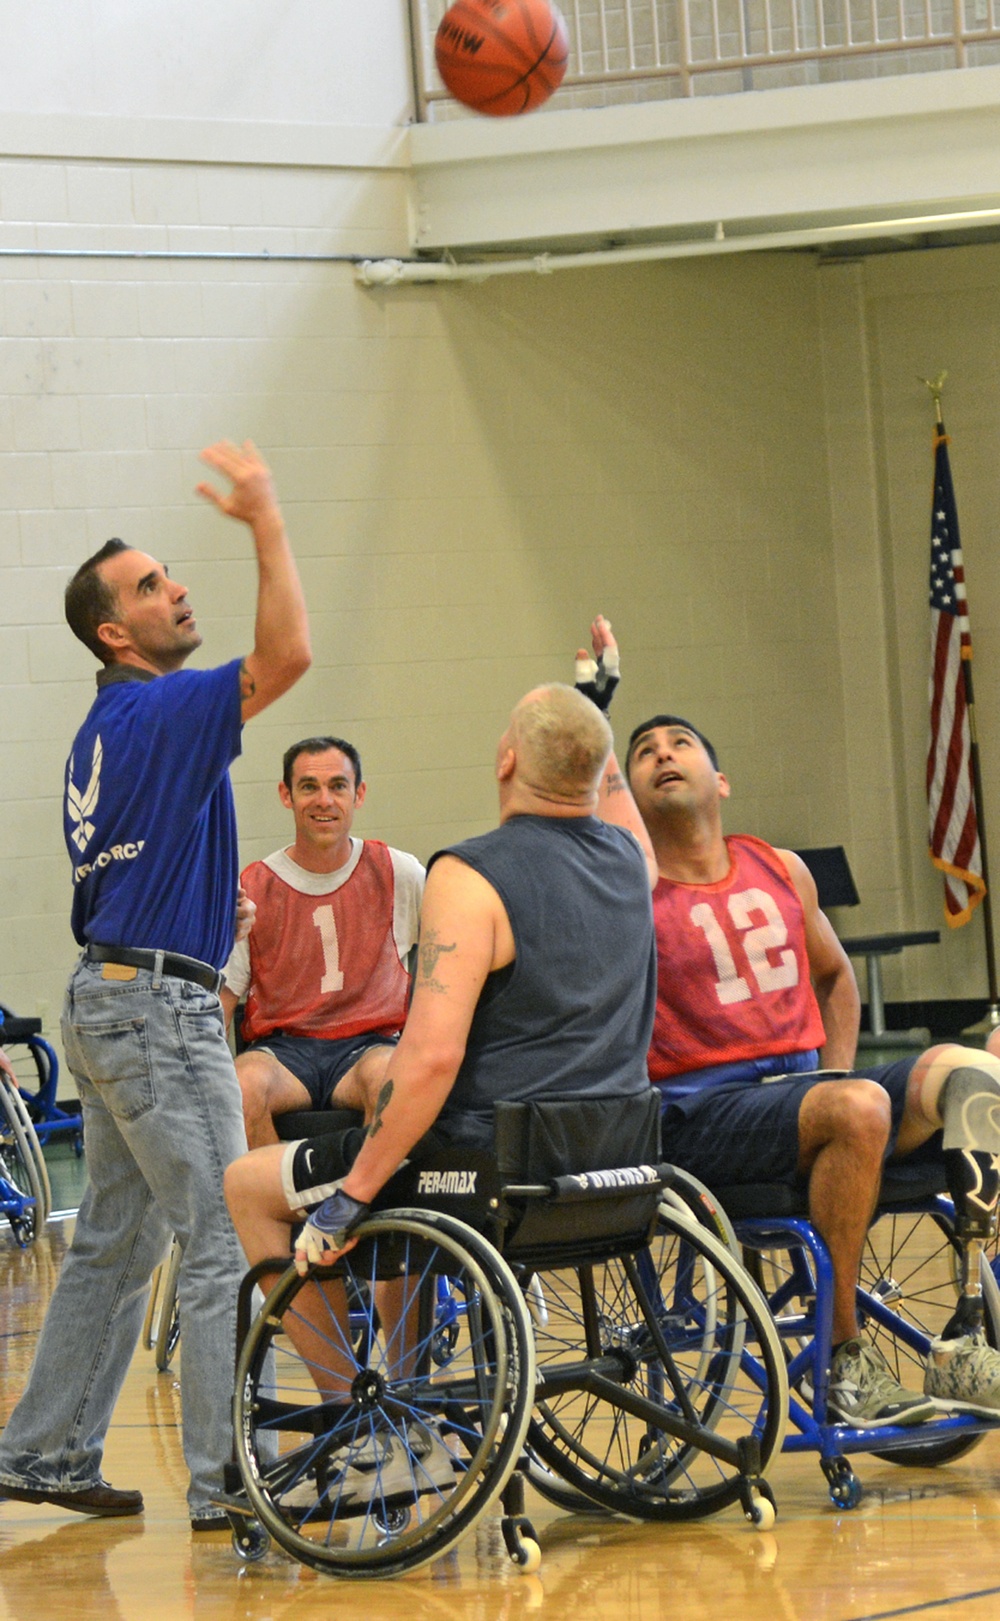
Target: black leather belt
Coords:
[(172, 963)]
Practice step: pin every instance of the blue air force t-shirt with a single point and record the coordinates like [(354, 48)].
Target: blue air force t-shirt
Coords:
[(148, 812)]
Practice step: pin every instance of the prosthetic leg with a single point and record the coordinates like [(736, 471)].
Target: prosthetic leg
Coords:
[(963, 1371)]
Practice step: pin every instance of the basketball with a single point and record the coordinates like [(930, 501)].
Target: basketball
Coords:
[(501, 57)]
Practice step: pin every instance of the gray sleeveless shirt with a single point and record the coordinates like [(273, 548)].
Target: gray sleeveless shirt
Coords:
[(574, 1012)]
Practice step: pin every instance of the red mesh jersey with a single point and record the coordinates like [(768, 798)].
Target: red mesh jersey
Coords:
[(733, 975), (326, 953)]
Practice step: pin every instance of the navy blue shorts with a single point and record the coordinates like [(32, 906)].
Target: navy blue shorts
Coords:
[(749, 1131), (317, 1063)]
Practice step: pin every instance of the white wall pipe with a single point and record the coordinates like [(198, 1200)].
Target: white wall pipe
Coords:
[(394, 272)]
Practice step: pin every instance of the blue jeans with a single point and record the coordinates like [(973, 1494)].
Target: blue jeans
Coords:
[(163, 1119)]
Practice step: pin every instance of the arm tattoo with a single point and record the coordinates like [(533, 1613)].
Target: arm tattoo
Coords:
[(383, 1098), (248, 685), (614, 783), (430, 950)]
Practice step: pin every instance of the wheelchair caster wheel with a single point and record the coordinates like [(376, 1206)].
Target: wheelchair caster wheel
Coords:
[(251, 1542), (846, 1490), (522, 1544), (761, 1510)]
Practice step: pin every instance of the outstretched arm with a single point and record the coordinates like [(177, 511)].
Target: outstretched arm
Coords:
[(281, 652), (614, 797), (830, 967)]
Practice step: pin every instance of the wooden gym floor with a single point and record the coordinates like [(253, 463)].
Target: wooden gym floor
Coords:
[(923, 1543)]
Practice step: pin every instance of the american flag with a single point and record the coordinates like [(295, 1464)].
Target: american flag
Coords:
[(954, 830)]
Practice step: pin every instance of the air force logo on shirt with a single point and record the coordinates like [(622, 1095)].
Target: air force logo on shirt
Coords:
[(82, 803)]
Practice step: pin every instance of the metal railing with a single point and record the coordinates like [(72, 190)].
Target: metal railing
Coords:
[(649, 50)]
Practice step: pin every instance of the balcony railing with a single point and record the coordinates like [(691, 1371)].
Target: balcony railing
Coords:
[(656, 50)]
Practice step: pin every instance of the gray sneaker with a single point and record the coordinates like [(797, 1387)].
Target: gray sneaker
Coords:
[(964, 1374), (864, 1393), (412, 1468)]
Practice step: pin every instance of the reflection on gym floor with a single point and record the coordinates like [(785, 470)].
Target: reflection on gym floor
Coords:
[(923, 1541)]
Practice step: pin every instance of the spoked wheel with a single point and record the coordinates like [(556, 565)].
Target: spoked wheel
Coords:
[(659, 1375), (910, 1268), (688, 1195), (23, 1166), (362, 1451)]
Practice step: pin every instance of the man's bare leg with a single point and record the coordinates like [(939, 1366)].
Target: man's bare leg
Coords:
[(268, 1089), (843, 1131), (360, 1086), (318, 1326)]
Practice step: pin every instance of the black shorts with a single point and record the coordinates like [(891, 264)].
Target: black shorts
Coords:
[(313, 1168), (319, 1064), (749, 1131)]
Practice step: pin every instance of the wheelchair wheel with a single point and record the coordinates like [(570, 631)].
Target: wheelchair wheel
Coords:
[(168, 1321), (687, 1195), (654, 1372), (34, 1147), (910, 1269), (363, 1453), (22, 1165)]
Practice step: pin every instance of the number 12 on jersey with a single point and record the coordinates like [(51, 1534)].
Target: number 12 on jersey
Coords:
[(756, 940)]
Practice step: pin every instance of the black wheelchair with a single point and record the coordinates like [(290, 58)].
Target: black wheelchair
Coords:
[(914, 1266), (506, 1316)]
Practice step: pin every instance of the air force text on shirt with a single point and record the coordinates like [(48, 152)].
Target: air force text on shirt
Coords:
[(118, 852)]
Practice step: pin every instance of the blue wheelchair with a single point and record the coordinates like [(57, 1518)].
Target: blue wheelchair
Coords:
[(913, 1269), (25, 1194), (507, 1316), (47, 1116)]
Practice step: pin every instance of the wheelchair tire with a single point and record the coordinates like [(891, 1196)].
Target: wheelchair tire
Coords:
[(168, 1323), (686, 1194), (22, 1164), (382, 1474), (917, 1255), (683, 1359)]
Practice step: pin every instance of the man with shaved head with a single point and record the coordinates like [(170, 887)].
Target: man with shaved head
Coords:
[(536, 977)]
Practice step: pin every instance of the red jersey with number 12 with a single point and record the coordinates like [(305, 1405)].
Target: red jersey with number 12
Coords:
[(326, 954), (733, 975)]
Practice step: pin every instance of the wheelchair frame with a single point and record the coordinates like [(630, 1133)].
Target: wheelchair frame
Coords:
[(604, 1334), (46, 1116), (904, 1300)]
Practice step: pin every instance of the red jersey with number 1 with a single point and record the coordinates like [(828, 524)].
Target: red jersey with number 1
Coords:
[(327, 952), (733, 975)]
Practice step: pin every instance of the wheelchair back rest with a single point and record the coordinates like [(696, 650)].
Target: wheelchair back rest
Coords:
[(549, 1137), (576, 1146), (569, 1150)]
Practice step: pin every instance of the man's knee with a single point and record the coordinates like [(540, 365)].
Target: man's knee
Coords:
[(853, 1113)]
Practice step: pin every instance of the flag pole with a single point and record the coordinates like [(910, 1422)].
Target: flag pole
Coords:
[(991, 1019)]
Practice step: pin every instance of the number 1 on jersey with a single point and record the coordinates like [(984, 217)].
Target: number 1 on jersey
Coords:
[(333, 979)]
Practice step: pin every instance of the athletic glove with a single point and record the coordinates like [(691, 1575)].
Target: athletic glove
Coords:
[(598, 679), (327, 1230)]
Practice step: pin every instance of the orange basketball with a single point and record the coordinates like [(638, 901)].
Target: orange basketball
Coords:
[(501, 56)]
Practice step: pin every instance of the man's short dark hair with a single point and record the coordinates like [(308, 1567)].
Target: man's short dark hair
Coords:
[(319, 745), (91, 601), (670, 720)]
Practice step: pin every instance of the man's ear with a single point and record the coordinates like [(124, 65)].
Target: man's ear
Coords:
[(113, 635), (284, 794), (359, 797), (505, 765), (724, 788)]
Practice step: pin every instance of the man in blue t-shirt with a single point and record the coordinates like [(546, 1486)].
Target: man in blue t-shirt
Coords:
[(151, 834)]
